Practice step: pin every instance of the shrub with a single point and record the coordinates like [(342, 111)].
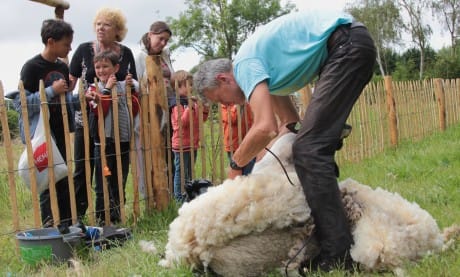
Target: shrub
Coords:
[(12, 124)]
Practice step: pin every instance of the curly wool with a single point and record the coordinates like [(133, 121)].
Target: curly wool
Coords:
[(253, 224)]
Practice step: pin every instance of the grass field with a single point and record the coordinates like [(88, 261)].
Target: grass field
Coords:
[(426, 172)]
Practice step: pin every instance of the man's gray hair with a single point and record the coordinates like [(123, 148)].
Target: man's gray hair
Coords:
[(205, 77)]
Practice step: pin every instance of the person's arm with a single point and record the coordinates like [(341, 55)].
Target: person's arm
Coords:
[(263, 130), (286, 112)]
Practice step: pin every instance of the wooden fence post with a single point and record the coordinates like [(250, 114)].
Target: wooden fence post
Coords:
[(305, 98), (132, 155), (391, 108), (30, 158), (116, 132), (51, 175), (157, 100), (65, 120), (9, 159), (441, 100), (105, 171), (88, 175)]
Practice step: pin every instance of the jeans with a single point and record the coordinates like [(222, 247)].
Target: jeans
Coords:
[(342, 78), (112, 180), (187, 158)]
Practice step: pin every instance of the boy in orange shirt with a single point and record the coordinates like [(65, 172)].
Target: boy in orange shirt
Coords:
[(233, 117)]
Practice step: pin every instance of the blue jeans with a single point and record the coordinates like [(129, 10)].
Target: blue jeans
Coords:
[(247, 169), (187, 156)]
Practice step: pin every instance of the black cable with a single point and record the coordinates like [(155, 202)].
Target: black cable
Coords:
[(308, 240), (296, 254), (282, 166)]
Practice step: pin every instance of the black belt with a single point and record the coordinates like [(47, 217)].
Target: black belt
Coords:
[(341, 30)]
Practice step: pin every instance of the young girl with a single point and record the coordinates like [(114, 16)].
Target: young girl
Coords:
[(106, 65)]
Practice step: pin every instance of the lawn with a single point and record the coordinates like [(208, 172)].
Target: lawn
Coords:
[(426, 172)]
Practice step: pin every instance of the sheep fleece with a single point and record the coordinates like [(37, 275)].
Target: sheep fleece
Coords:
[(250, 225)]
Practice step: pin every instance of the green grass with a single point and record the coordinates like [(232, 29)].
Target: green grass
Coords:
[(426, 172)]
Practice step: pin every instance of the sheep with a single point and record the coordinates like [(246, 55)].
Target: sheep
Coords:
[(257, 223)]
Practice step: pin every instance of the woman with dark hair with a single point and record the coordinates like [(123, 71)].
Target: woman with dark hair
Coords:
[(153, 43)]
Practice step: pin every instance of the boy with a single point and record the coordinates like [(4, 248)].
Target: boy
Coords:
[(106, 65), (182, 109), (233, 133), (57, 36)]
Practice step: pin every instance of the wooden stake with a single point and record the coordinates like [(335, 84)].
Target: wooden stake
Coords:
[(51, 175), (65, 120), (104, 169), (157, 101), (133, 156), (10, 162), (30, 158), (116, 131)]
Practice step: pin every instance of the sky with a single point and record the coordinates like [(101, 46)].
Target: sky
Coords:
[(20, 22)]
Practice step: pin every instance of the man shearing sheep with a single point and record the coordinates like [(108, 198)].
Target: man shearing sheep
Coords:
[(280, 58)]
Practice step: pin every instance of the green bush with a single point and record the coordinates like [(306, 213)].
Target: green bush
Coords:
[(12, 124)]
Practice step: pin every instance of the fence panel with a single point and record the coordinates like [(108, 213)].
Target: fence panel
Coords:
[(417, 114)]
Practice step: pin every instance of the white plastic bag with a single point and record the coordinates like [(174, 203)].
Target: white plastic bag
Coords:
[(40, 155)]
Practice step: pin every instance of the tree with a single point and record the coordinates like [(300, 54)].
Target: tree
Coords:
[(420, 32), (383, 20), (216, 28), (447, 66), (408, 64), (449, 11)]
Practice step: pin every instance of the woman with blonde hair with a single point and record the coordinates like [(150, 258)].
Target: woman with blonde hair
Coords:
[(110, 28)]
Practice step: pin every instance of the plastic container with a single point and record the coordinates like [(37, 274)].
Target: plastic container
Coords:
[(47, 245)]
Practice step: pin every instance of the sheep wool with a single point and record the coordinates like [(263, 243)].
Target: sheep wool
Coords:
[(257, 223)]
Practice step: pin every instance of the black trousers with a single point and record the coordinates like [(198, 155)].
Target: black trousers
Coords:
[(79, 175), (341, 80), (112, 180)]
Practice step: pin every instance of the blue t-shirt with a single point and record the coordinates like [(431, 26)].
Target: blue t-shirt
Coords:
[(287, 52)]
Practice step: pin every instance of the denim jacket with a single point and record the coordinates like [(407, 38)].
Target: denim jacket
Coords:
[(33, 108)]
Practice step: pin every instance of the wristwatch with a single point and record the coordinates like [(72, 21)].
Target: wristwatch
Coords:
[(234, 166)]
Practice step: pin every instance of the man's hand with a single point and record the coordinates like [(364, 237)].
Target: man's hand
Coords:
[(232, 173)]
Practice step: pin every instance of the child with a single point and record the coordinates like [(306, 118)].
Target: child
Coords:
[(57, 35), (182, 109), (233, 134), (106, 65)]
